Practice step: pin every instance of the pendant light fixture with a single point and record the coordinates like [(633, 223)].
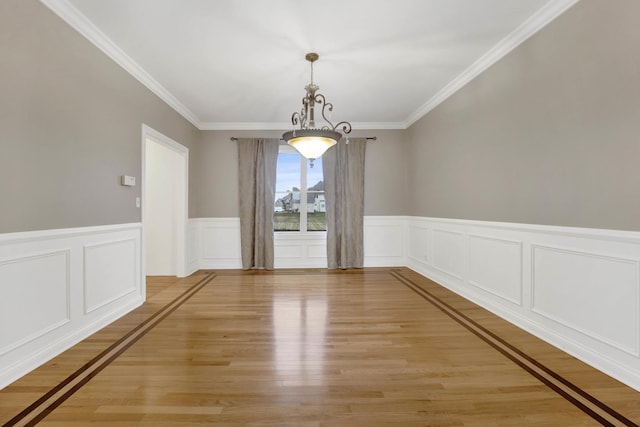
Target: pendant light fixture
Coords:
[(312, 141)]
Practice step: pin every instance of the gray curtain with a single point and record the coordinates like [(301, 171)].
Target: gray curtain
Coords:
[(343, 169), (257, 173)]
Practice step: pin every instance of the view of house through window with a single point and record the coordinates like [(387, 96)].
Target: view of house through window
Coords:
[(299, 204)]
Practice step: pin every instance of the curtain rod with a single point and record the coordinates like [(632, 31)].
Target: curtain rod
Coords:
[(369, 138)]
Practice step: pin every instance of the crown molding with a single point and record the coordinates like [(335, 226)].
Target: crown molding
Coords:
[(80, 23), (378, 125), (285, 126), (243, 126), (535, 23), (65, 10)]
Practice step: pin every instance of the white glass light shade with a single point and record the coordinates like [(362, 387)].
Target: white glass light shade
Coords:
[(312, 143), (312, 147)]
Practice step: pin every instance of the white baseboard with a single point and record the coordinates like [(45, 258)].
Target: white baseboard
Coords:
[(60, 286)]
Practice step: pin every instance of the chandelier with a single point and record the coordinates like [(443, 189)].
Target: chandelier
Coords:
[(312, 141)]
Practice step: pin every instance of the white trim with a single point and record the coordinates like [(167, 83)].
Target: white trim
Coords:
[(182, 235), (591, 233), (634, 262), (47, 352), (603, 329), (385, 241), (378, 125), (535, 23), (26, 236), (216, 244), (72, 16), (282, 126), (86, 250), (31, 337), (22, 355), (244, 126), (516, 243)]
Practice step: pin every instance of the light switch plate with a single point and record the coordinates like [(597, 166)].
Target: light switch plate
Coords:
[(128, 181)]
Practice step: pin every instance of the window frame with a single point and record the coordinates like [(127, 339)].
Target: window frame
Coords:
[(304, 165)]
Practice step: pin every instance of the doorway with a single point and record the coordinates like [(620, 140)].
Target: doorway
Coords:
[(164, 204)]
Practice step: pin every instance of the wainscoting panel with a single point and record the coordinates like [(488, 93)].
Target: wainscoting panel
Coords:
[(578, 289), (291, 250), (384, 241), (216, 244), (41, 281), (228, 234), (294, 250), (110, 272), (495, 266), (57, 287), (318, 250), (419, 243), (448, 252), (602, 292), (193, 245)]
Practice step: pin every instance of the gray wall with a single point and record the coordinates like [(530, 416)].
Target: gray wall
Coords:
[(215, 187), (548, 135), (70, 125)]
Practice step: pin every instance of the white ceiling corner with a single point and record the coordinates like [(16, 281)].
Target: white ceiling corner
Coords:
[(528, 28), (65, 10)]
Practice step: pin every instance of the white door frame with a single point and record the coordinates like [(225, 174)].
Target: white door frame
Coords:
[(149, 133)]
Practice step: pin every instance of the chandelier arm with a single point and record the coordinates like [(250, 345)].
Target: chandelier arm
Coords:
[(295, 118), (346, 126), (326, 106)]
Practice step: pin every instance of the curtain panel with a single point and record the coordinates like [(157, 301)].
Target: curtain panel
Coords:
[(257, 161), (343, 169)]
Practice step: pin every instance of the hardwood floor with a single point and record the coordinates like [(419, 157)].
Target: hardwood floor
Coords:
[(371, 347)]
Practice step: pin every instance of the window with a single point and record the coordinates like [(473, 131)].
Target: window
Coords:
[(300, 203)]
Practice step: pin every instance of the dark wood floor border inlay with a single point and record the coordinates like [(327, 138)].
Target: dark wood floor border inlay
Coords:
[(61, 392), (598, 410)]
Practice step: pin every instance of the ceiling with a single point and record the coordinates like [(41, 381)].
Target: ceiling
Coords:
[(239, 64)]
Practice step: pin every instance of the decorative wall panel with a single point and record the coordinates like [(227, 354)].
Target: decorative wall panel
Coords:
[(110, 272), (495, 266), (57, 287), (35, 297)]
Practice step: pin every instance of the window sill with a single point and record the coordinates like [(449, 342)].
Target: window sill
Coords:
[(297, 235)]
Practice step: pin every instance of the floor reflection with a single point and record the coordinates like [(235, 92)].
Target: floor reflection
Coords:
[(299, 325)]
